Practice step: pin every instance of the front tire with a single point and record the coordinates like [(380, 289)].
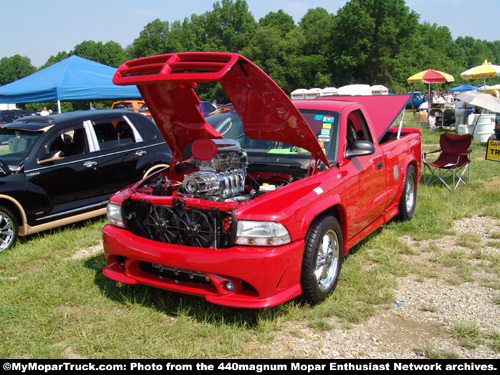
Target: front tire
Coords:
[(8, 228), (322, 260)]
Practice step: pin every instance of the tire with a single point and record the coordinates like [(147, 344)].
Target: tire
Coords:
[(8, 228), (322, 260), (408, 199)]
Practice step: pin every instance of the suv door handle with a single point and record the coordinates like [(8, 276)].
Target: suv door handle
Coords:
[(141, 152), (90, 163)]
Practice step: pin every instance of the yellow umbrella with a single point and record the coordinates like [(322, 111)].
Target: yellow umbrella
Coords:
[(492, 89), (485, 70), (430, 76)]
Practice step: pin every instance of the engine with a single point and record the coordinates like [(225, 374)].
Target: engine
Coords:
[(220, 175), (221, 170)]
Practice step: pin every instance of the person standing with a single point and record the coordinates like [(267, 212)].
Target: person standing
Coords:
[(459, 113)]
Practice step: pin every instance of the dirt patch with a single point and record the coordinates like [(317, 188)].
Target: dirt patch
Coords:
[(88, 252)]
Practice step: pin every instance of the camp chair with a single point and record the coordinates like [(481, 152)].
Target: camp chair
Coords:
[(453, 160)]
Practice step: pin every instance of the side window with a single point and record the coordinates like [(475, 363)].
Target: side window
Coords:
[(112, 134), (208, 107), (70, 140), (357, 129), (145, 129)]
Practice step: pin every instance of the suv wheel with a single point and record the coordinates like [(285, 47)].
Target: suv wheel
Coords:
[(8, 228)]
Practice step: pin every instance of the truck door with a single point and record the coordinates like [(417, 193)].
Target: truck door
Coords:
[(367, 191)]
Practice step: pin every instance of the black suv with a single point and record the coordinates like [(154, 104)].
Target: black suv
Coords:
[(10, 115), (62, 168)]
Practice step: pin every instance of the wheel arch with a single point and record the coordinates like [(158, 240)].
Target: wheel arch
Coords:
[(332, 206), (17, 209), (407, 162)]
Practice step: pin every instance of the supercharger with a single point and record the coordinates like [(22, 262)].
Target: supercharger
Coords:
[(222, 176)]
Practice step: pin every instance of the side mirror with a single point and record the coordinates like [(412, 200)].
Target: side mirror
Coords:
[(360, 148), (4, 169), (51, 157)]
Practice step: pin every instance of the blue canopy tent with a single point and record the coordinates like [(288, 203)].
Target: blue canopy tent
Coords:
[(463, 88), (74, 78)]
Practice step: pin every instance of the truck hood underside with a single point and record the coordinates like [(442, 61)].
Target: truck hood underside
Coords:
[(167, 82)]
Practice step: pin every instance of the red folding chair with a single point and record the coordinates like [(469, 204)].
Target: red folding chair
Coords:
[(453, 161)]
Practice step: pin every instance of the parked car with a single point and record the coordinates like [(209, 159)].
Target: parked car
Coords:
[(62, 168), (417, 97), (10, 115), (259, 205), (138, 106), (206, 108)]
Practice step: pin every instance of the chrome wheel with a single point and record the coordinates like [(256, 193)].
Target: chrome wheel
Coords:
[(322, 259), (8, 229), (408, 200), (410, 193), (326, 261)]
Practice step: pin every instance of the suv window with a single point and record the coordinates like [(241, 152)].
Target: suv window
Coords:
[(70, 140), (113, 134), (13, 114), (15, 145), (143, 126)]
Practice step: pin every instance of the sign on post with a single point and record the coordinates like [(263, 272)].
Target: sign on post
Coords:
[(493, 150)]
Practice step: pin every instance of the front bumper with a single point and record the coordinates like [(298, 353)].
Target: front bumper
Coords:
[(240, 276)]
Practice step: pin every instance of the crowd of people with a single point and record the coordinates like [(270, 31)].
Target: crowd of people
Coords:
[(446, 102)]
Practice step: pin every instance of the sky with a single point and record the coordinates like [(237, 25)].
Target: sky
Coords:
[(40, 29)]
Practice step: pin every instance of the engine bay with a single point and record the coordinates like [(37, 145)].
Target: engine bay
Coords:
[(194, 206), (218, 171)]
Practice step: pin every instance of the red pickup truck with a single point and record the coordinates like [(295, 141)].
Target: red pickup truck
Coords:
[(259, 205)]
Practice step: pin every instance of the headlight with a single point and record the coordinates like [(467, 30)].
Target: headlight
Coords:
[(114, 213), (261, 233)]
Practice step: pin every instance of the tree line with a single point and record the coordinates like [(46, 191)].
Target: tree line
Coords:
[(377, 42)]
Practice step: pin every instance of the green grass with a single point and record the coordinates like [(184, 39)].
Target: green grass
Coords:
[(54, 305), (468, 333), (428, 351)]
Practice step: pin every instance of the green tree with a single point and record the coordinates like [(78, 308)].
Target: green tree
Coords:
[(14, 68), (318, 26), (55, 59), (229, 27), (279, 20), (369, 39), (109, 53), (153, 39)]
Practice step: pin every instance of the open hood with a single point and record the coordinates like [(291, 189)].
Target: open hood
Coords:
[(167, 82)]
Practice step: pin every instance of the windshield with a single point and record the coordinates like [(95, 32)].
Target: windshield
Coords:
[(324, 125), (15, 145)]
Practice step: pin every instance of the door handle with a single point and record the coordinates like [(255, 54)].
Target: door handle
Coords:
[(379, 165), (141, 152), (90, 164)]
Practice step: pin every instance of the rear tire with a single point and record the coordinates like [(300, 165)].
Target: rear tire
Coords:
[(8, 228), (322, 260), (408, 199)]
